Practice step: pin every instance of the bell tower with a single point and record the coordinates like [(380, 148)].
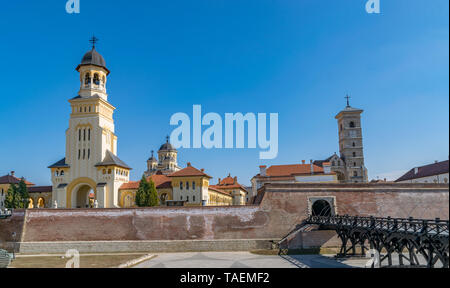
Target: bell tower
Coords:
[(91, 173), (351, 144)]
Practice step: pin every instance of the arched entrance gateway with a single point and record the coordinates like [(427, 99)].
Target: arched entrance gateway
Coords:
[(321, 208), (84, 197), (81, 193)]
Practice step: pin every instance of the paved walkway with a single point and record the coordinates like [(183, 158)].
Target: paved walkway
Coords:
[(245, 260)]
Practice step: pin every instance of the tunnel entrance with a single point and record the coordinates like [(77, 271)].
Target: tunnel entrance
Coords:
[(321, 208)]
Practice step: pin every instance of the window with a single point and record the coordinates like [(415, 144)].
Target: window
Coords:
[(355, 173), (89, 153), (61, 173), (79, 153), (84, 153), (87, 79), (181, 197), (109, 171), (193, 186), (353, 144), (333, 163), (96, 79), (354, 164), (181, 185), (193, 198), (79, 134), (352, 124), (104, 171), (89, 132), (445, 180), (84, 134), (354, 154), (187, 198), (187, 185)]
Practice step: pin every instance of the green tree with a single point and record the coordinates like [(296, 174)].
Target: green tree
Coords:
[(17, 196), (23, 195), (153, 195), (142, 194), (10, 197)]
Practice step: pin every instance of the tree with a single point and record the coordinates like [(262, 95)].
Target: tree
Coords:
[(142, 194), (10, 197), (22, 191), (17, 195), (153, 195)]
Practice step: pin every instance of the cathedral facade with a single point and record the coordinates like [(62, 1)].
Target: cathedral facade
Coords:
[(90, 174), (166, 163)]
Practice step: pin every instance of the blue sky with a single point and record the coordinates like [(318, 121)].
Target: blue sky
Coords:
[(297, 58)]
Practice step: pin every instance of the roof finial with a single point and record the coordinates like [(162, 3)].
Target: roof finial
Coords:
[(152, 152), (167, 139), (93, 40), (348, 102)]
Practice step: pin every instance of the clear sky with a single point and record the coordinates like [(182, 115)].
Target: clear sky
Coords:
[(298, 58)]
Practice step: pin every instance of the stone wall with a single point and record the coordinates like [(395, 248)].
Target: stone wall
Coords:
[(282, 206)]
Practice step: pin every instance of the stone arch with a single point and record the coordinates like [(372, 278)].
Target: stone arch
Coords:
[(74, 187), (40, 202), (321, 208)]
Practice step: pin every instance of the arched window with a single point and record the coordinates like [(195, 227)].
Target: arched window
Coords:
[(79, 153), (87, 79), (187, 198), (354, 154), (353, 144), (89, 132), (109, 171), (193, 198), (84, 134), (187, 185), (79, 134), (104, 171), (61, 173), (352, 124), (181, 186), (193, 186), (96, 79), (354, 164), (103, 81)]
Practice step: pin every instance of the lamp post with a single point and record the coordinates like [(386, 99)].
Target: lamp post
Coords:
[(14, 244)]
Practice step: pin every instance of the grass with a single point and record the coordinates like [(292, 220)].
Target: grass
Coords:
[(86, 261)]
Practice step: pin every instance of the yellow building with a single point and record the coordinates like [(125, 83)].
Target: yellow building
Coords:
[(187, 187), (127, 192), (40, 196), (231, 186)]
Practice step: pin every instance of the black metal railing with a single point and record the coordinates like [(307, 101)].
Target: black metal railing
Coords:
[(405, 237)]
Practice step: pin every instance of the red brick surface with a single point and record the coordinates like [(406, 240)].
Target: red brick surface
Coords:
[(281, 208)]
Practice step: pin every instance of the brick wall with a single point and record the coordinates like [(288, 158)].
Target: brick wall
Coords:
[(281, 208)]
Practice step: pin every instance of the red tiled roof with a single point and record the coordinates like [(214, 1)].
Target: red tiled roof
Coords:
[(189, 171), (10, 179), (289, 170), (219, 190), (228, 183), (425, 171), (161, 181)]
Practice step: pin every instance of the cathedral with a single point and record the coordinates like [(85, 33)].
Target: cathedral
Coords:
[(166, 163)]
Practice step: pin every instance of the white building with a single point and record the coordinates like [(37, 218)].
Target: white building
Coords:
[(90, 172), (432, 173)]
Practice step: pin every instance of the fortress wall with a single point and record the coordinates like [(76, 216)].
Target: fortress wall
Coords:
[(281, 208)]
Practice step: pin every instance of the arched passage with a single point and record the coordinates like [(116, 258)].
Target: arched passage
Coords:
[(85, 196), (321, 208)]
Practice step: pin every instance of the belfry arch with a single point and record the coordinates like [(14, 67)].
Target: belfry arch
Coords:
[(81, 193)]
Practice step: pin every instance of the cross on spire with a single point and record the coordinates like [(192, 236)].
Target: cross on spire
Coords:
[(348, 98), (167, 138), (93, 40)]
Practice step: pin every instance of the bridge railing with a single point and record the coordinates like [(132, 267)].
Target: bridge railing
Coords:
[(434, 227)]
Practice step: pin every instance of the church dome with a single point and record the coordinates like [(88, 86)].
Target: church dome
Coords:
[(93, 58), (167, 146)]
